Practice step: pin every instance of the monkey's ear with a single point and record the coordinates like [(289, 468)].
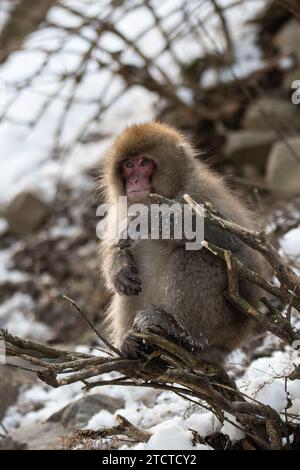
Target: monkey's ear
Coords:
[(183, 149), (180, 146)]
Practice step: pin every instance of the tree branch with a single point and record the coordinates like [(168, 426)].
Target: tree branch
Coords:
[(199, 382)]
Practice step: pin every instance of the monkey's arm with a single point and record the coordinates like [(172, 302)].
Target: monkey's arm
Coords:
[(120, 270), (221, 238), (212, 232)]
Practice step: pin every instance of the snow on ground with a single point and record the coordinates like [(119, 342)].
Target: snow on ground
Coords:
[(171, 435), (17, 317), (38, 403), (7, 274), (169, 418)]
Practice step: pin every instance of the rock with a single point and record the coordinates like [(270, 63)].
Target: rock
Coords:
[(77, 414), (36, 436), (11, 381), (283, 169), (26, 213), (249, 146), (272, 113), (288, 37), (50, 435)]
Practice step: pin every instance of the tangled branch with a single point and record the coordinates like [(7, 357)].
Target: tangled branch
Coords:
[(170, 368)]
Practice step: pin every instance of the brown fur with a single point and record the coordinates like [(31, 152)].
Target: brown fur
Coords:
[(188, 285)]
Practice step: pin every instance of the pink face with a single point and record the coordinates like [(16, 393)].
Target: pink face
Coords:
[(137, 172)]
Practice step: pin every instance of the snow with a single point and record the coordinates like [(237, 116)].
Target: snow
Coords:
[(38, 403), (269, 393), (290, 243), (135, 22), (102, 419), (6, 273), (15, 315), (230, 430), (170, 436), (64, 229), (247, 55), (61, 17), (264, 380)]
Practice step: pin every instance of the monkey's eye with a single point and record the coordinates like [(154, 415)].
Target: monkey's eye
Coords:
[(128, 164), (145, 162)]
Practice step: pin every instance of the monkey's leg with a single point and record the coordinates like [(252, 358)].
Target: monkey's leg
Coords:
[(160, 322)]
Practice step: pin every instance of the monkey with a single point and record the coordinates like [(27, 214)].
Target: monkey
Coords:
[(157, 284)]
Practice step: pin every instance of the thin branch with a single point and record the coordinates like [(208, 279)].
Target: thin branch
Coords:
[(104, 340)]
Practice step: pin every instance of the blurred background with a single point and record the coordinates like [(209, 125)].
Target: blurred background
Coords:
[(74, 73)]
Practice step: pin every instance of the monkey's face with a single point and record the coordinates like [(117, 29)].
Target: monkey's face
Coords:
[(137, 172)]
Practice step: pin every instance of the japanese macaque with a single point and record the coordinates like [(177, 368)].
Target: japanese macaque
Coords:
[(157, 284)]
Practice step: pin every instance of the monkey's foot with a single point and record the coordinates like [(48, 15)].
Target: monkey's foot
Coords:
[(158, 321), (132, 347)]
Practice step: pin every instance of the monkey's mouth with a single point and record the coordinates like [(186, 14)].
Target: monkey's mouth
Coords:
[(138, 194)]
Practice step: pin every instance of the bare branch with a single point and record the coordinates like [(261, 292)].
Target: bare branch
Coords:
[(104, 340), (197, 381)]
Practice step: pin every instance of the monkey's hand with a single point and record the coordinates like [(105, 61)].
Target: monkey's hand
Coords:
[(125, 279)]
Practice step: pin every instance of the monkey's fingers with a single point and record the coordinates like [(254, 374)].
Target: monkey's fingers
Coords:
[(128, 273), (133, 268), (129, 289), (131, 346), (128, 283), (133, 277)]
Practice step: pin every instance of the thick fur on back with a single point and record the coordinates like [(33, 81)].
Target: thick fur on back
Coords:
[(189, 285)]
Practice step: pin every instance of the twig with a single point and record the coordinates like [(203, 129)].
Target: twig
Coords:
[(104, 340), (124, 427), (290, 305), (3, 427)]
